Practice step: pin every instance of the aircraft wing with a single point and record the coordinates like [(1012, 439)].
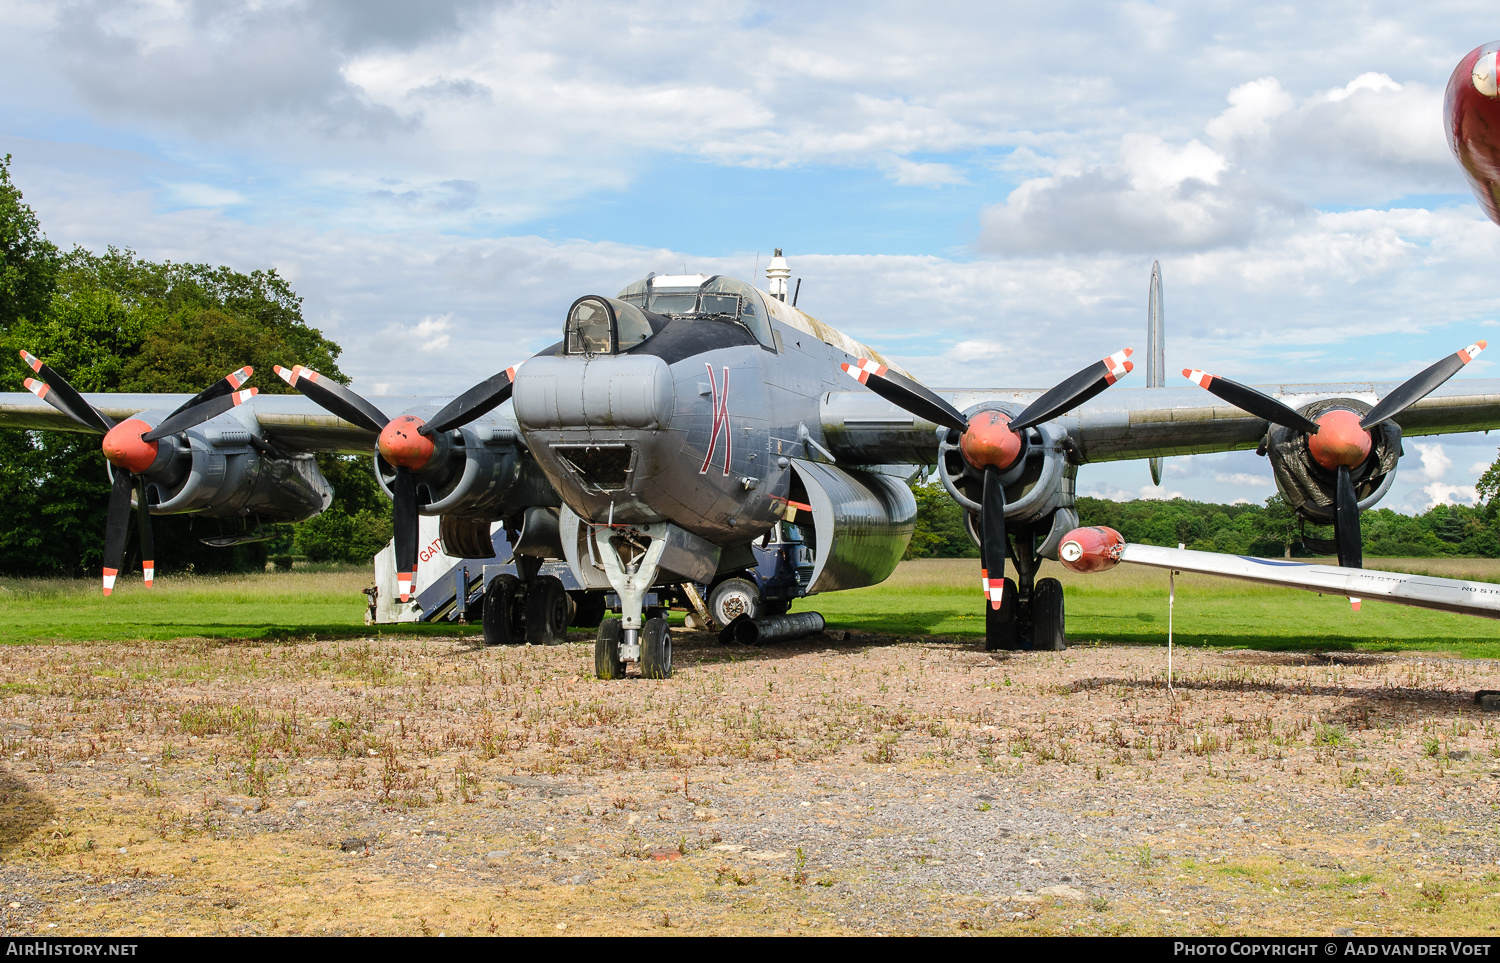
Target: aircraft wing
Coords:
[(1127, 422), (291, 421), (1424, 591)]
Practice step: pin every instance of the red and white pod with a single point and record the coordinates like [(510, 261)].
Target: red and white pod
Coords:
[(1468, 354), (862, 369), (1092, 549), (1118, 366)]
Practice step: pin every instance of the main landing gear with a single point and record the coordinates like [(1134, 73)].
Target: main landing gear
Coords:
[(1031, 610), (535, 609)]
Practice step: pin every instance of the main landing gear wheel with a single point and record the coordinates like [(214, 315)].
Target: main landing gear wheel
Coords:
[(503, 623), (1048, 625), (607, 661), (656, 650), (732, 598), (546, 611), (1001, 625)]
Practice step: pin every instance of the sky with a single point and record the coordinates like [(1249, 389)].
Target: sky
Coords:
[(976, 189)]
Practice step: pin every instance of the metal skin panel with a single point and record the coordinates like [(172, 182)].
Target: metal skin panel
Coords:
[(862, 523)]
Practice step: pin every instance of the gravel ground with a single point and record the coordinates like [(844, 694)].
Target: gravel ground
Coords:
[(869, 785)]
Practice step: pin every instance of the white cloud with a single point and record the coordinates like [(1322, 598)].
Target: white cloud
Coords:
[(1244, 478), (1435, 463), (1441, 494), (1157, 492)]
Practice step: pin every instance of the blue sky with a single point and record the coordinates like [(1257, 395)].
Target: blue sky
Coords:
[(978, 189)]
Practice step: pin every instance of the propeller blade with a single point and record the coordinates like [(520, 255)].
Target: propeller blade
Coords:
[(405, 518), (478, 400), (334, 397), (1414, 389), (1251, 401), (233, 381), (905, 393), (992, 547), (1346, 522), (143, 529), (1074, 391), (59, 394), (117, 527), (199, 413)]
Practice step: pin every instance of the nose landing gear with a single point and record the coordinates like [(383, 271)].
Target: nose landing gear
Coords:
[(632, 558)]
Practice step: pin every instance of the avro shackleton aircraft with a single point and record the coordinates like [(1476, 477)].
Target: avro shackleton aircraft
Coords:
[(677, 422)]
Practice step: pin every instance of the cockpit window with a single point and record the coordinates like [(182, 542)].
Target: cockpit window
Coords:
[(603, 326), (695, 296)]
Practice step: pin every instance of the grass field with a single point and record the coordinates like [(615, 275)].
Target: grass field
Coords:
[(935, 597)]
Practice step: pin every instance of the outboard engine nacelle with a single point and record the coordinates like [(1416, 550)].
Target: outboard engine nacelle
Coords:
[(224, 471), (1308, 487), (1040, 488)]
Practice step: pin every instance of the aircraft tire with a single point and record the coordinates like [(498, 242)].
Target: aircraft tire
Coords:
[(1048, 620), (588, 609), (732, 598), (502, 618), (1001, 628), (656, 650), (546, 611), (607, 661)]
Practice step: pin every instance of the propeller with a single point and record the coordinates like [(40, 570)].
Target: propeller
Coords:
[(404, 441), (131, 449), (1340, 439), (991, 441)]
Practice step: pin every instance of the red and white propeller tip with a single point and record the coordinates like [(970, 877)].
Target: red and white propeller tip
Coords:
[(1117, 365)]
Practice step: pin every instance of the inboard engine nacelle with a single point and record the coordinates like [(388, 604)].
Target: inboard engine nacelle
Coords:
[(1309, 488), (478, 471)]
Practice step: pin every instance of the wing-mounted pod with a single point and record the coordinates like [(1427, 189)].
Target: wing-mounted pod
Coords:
[(1040, 486)]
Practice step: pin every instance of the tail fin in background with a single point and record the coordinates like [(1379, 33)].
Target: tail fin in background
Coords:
[(1156, 369)]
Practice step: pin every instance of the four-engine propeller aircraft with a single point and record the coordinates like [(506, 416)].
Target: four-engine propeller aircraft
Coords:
[(677, 422)]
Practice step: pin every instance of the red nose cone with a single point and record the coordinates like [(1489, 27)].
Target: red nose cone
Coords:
[(402, 446), (988, 442), (1339, 441), (125, 449)]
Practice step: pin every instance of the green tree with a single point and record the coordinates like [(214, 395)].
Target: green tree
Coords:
[(28, 261)]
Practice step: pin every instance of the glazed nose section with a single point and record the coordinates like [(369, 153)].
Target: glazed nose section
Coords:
[(988, 442), (125, 449), (402, 445), (1339, 441)]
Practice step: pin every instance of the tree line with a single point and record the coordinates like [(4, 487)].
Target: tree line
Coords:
[(117, 322)]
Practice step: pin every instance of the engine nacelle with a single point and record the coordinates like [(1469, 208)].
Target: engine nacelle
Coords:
[(1040, 488), (479, 472), (1092, 549), (1309, 488), (223, 470)]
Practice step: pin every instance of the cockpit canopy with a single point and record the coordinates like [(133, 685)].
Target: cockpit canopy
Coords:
[(600, 325), (698, 296)]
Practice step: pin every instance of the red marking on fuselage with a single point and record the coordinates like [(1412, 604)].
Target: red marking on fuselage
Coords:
[(720, 422)]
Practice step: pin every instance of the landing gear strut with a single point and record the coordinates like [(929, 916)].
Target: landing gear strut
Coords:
[(1031, 612), (632, 558)]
